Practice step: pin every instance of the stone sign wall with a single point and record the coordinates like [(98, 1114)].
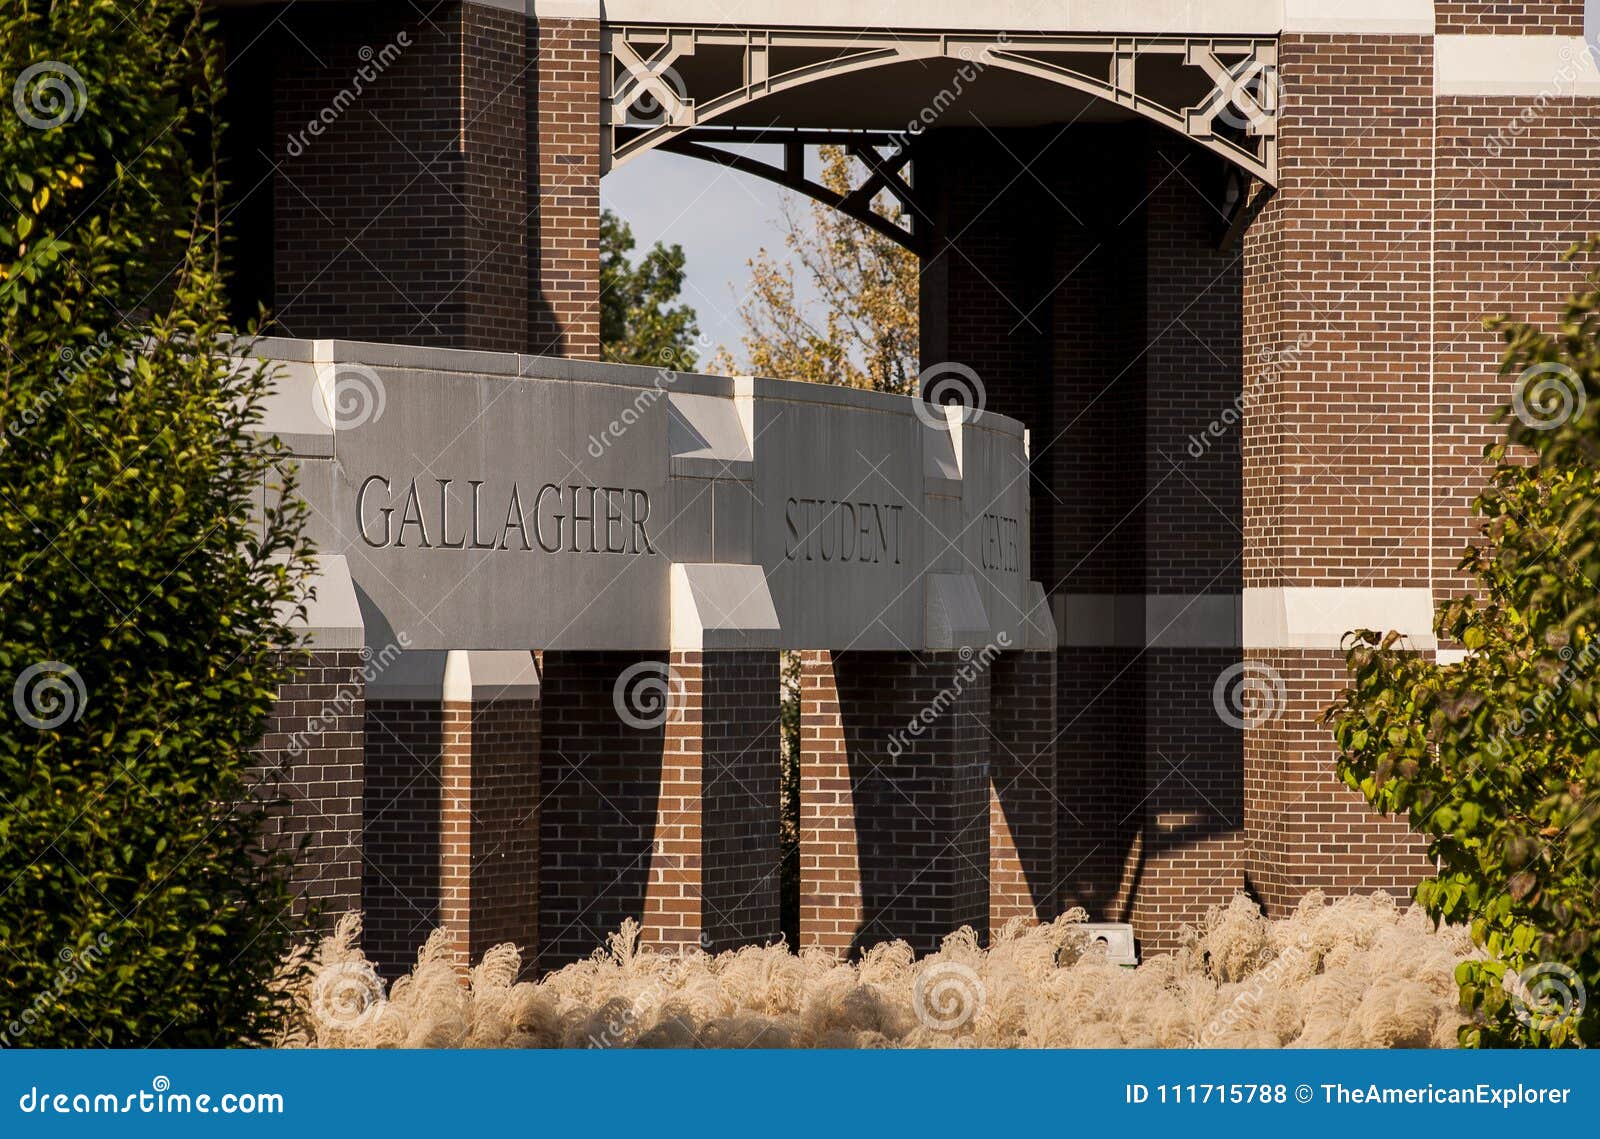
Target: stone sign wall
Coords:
[(498, 501)]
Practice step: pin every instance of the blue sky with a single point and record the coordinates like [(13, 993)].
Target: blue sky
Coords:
[(719, 216)]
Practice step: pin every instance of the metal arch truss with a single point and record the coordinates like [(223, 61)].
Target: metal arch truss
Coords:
[(885, 173), (645, 103)]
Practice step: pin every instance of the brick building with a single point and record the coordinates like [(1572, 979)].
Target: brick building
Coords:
[(1227, 262)]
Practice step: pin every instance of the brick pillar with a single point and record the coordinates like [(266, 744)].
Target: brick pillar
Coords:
[(1336, 443), (661, 799), (831, 905), (563, 190), (601, 778), (1129, 351), (894, 825), (311, 770), (1043, 295), (452, 809), (1189, 849), (714, 864), (400, 187), (1022, 788)]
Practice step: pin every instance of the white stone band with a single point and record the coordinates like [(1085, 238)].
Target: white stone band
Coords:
[(332, 619), (1295, 617), (1358, 17), (1551, 66), (1305, 617), (553, 9), (1152, 17)]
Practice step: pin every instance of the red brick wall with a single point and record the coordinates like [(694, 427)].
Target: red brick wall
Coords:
[(1191, 340), (1518, 182), (564, 189), (894, 828), (740, 774), (671, 820), (1552, 17), (1141, 322), (1303, 831), (311, 767), (831, 907), (1335, 485), (494, 197), (1188, 854), (1336, 469)]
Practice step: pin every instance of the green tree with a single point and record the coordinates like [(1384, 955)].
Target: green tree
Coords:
[(1496, 758), (862, 332), (142, 584), (639, 321)]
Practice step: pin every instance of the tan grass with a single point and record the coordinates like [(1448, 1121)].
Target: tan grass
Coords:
[(1358, 972)]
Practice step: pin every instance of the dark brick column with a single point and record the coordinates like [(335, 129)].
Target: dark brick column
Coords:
[(399, 180), (1094, 304), (894, 798), (452, 827), (1187, 852), (563, 189), (601, 778), (661, 799), (1022, 782), (312, 769)]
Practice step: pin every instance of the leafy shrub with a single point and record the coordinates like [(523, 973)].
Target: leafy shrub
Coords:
[(141, 583), (1496, 758), (1357, 973)]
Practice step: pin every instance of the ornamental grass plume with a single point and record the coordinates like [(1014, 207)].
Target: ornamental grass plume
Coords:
[(1355, 973)]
